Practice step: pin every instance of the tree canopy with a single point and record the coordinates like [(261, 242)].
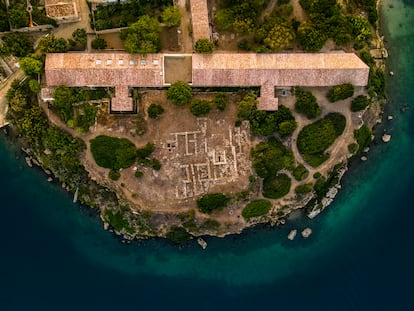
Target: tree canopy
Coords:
[(142, 37), (179, 93), (204, 46), (171, 16)]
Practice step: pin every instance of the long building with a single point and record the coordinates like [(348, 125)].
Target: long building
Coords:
[(267, 71)]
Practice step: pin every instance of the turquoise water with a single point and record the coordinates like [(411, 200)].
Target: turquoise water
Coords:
[(55, 255)]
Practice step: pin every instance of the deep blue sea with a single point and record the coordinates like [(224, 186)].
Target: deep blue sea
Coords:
[(54, 255)]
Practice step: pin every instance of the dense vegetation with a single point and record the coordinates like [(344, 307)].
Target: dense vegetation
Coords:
[(113, 153), (340, 92), (122, 14), (300, 172), (17, 16), (178, 235), (256, 208), (359, 103), (142, 37), (269, 157), (306, 104), (73, 107), (171, 16), (179, 93), (99, 43), (315, 138), (363, 136), (16, 44), (276, 187), (221, 101), (211, 202), (266, 123)]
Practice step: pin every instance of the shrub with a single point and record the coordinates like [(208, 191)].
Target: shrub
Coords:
[(155, 164), (138, 174), (270, 157), (300, 172), (220, 101), (210, 202), (353, 148), (306, 104), (178, 235), (340, 92), (287, 127), (303, 189), (363, 136), (200, 107), (276, 187), (113, 153), (154, 111), (145, 152), (171, 16), (315, 138), (210, 224), (204, 46), (99, 43), (179, 93), (256, 208), (359, 103), (114, 175)]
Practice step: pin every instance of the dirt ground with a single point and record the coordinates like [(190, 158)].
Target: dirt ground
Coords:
[(113, 40), (177, 69), (198, 155), (169, 39)]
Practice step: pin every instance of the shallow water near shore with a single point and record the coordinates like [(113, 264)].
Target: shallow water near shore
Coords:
[(55, 255)]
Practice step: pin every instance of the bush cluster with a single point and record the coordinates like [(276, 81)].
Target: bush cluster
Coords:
[(256, 208), (306, 104), (211, 202), (340, 92), (155, 110), (113, 153), (359, 103), (315, 138), (363, 136), (266, 123), (276, 187), (179, 93)]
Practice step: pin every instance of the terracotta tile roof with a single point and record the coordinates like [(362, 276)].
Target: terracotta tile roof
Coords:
[(302, 69), (199, 19)]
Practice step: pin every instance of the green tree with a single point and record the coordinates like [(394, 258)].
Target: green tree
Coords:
[(220, 101), (154, 111), (280, 37), (80, 37), (63, 100), (34, 86), (310, 38), (200, 107), (171, 16), (276, 187), (247, 106), (287, 127), (142, 37), (179, 93), (256, 208), (99, 43), (31, 65), (306, 104), (340, 92), (16, 44), (204, 46), (18, 17), (359, 103)]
